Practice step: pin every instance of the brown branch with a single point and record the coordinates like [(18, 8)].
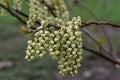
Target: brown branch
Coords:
[(20, 12), (89, 34), (99, 23), (13, 14)]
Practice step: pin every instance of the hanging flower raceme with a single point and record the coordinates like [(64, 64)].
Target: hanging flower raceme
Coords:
[(71, 50), (62, 38)]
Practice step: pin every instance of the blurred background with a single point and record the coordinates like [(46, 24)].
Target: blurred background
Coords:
[(13, 44)]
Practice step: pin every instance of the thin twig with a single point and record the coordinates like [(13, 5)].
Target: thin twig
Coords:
[(13, 14), (88, 23), (108, 40), (20, 12)]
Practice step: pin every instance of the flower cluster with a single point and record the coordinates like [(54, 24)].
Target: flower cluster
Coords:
[(61, 38), (64, 44), (38, 45)]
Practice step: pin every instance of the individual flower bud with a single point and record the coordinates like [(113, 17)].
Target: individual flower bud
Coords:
[(66, 35), (40, 55), (75, 71), (73, 45), (43, 35), (71, 38), (77, 33), (28, 53), (74, 53), (63, 59), (70, 49), (43, 22), (46, 39), (76, 27), (79, 46), (32, 57), (70, 56), (75, 56), (50, 49), (56, 39), (33, 44), (78, 60), (41, 48), (62, 32), (26, 57), (29, 41), (37, 52), (79, 53), (69, 30), (65, 45), (29, 47), (51, 35), (61, 66), (46, 32), (32, 51), (42, 41), (71, 73), (51, 42), (78, 65), (41, 32), (52, 53), (35, 40), (40, 38), (39, 44), (65, 63), (55, 46), (63, 40), (57, 52), (56, 32)]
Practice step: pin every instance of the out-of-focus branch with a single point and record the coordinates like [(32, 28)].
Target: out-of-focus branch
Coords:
[(101, 55), (89, 34), (108, 39)]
